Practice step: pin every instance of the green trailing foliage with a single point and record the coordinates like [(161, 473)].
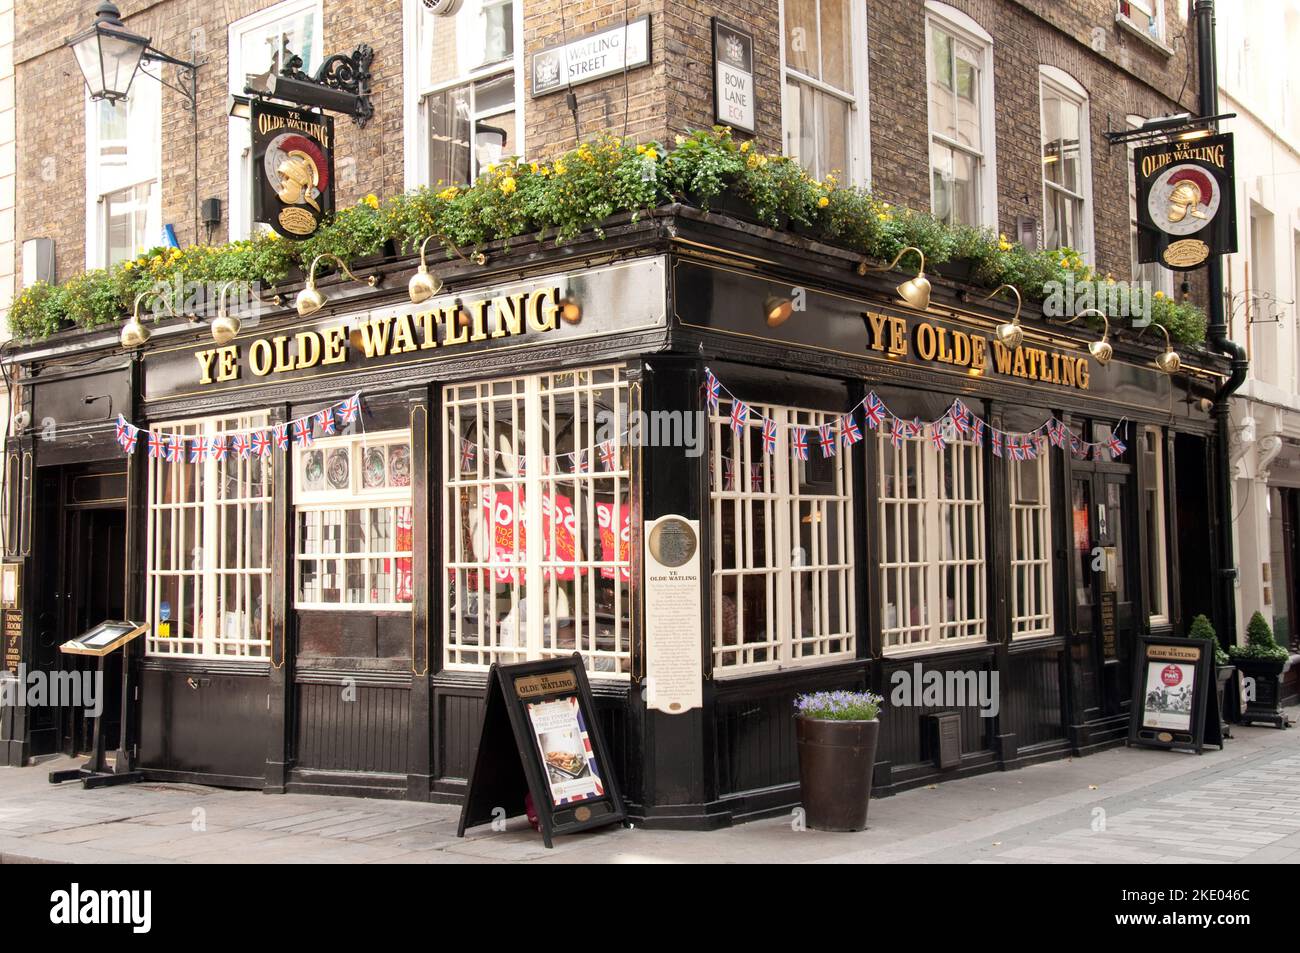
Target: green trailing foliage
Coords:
[(579, 191)]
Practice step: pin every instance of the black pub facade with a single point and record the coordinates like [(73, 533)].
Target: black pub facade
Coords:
[(871, 489)]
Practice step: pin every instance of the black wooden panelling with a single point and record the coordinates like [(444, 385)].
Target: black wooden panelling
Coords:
[(1031, 697), (906, 733), (203, 723), (366, 734), (457, 722)]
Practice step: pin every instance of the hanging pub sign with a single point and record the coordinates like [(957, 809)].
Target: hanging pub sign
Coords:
[(1175, 704), (1185, 201), (293, 168), (541, 752), (733, 76)]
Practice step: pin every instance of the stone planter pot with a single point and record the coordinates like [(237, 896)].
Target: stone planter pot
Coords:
[(836, 759), (1266, 707)]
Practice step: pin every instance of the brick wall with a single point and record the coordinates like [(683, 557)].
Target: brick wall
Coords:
[(1124, 75)]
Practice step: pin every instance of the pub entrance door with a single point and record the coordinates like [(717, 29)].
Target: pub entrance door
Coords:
[(1103, 595)]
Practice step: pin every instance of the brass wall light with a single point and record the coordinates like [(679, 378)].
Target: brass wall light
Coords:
[(914, 291), (1100, 350), (224, 326), (777, 310), (1010, 334), (134, 333), (310, 300), (570, 310), (1167, 360), (423, 285)]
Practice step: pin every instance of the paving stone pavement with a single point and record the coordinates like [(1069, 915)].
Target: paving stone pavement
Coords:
[(1241, 805)]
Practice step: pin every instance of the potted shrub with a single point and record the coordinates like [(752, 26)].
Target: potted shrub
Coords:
[(1223, 667), (837, 734), (1262, 661)]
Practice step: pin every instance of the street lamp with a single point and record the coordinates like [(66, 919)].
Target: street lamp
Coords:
[(110, 55)]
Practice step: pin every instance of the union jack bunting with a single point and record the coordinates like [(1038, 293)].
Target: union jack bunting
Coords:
[(282, 436), (261, 443), (326, 419), (127, 435), (240, 445), (157, 445), (350, 408), (799, 443), (826, 439), (897, 433), (756, 477), (713, 390), (175, 449), (850, 432), (580, 464), (874, 409), (198, 450), (960, 416), (1017, 447), (217, 448), (997, 443), (728, 468), (1033, 446), (936, 436), (466, 455), (1054, 428), (739, 417), (302, 431), (769, 435), (914, 428), (1116, 445), (608, 455), (978, 430)]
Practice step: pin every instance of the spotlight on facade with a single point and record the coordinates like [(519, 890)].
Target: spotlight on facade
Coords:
[(310, 299), (1101, 350), (915, 291), (423, 285), (570, 310), (1168, 360), (225, 326), (777, 311), (1010, 334), (134, 333)]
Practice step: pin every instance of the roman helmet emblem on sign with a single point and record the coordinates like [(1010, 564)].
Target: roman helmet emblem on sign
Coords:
[(1189, 188), (301, 172)]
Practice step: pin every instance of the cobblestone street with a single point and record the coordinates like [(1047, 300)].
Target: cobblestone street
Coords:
[(1241, 805)]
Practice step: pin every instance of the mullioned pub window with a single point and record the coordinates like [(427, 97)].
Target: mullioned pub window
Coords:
[(353, 508), (1030, 486), (782, 531), (208, 563), (537, 516)]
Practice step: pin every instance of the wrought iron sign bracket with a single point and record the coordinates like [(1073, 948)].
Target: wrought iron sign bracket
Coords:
[(341, 84)]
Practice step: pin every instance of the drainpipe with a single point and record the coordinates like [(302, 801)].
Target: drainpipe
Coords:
[(1216, 333)]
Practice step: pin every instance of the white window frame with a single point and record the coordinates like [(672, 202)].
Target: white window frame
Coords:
[(473, 406), (1063, 84), (239, 164), (211, 513), (1031, 551), (964, 28), (859, 134), (1159, 542), (969, 615), (355, 498), (415, 152), (783, 505), (1154, 11), (145, 88)]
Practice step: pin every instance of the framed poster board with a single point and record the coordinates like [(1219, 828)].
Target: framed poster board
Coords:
[(540, 737), (102, 638), (1174, 700)]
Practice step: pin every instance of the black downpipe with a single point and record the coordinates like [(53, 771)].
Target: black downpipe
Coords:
[(1216, 333)]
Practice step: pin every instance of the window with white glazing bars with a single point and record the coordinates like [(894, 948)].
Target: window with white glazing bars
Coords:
[(1030, 487)]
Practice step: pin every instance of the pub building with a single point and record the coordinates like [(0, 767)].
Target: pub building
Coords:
[(322, 611)]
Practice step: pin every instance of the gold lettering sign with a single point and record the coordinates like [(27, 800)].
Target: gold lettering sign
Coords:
[(534, 686), (1174, 653), (973, 352), (387, 336)]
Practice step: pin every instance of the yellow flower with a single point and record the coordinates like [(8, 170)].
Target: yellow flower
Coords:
[(744, 147), (449, 193), (560, 167), (1160, 294), (884, 216), (533, 167), (507, 185), (823, 202), (651, 155), (129, 265), (372, 200), (1065, 263)]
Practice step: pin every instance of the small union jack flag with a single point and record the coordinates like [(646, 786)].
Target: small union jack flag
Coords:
[(769, 435), (799, 442), (608, 455), (157, 445), (198, 450), (997, 443), (580, 463), (175, 449), (713, 390), (936, 436), (1116, 445), (756, 477), (467, 450), (302, 431), (826, 439), (1054, 434), (977, 427), (739, 417), (960, 416), (217, 448), (350, 409), (850, 432), (727, 469), (914, 428), (874, 410), (240, 445), (282, 436), (261, 443), (897, 433), (326, 419), (127, 435), (1032, 447), (1016, 447)]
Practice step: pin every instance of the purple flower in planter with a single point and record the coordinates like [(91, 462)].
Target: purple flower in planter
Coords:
[(839, 705)]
